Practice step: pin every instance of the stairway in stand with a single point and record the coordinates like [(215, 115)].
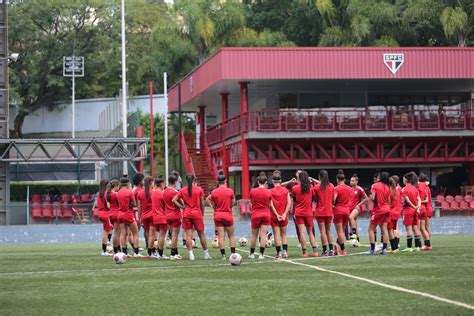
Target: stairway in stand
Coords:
[(203, 170)]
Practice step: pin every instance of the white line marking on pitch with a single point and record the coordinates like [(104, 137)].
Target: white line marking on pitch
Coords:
[(385, 285)]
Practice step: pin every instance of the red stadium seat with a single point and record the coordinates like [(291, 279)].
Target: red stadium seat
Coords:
[(458, 198), (65, 198), (86, 198), (36, 213), (445, 207), (439, 199), (468, 198), (449, 198), (454, 206), (464, 206), (36, 198)]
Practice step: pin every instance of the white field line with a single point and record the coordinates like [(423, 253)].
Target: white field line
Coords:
[(381, 284)]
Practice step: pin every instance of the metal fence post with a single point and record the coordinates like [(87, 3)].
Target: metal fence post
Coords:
[(57, 215)]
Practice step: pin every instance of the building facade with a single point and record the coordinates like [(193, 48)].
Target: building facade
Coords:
[(357, 109)]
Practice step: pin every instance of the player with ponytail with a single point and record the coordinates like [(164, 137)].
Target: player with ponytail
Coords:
[(380, 194), (359, 198), (411, 210), (146, 210), (103, 205), (342, 208), (324, 193), (395, 211)]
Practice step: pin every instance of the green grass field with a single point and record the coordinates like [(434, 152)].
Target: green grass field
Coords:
[(74, 279)]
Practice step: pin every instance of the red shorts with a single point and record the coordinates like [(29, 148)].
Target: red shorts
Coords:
[(341, 219), (410, 219), (126, 218), (105, 219), (380, 219), (113, 218), (277, 223), (429, 212), (147, 222), (258, 221), (304, 220), (160, 227), (174, 223), (324, 219), (423, 216), (224, 221), (196, 223), (393, 224)]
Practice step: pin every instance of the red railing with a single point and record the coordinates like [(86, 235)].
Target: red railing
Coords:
[(343, 120)]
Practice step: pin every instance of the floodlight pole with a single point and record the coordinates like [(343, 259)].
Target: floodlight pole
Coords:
[(73, 96), (165, 93), (124, 84)]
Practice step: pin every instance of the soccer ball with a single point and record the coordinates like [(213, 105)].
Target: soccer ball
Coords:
[(194, 244), (235, 259), (269, 243), (215, 243), (355, 243), (120, 258), (168, 244), (243, 242), (155, 244), (109, 249)]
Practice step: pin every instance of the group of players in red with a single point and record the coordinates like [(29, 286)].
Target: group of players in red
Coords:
[(163, 209)]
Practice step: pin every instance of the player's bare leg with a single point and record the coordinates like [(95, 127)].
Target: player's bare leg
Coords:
[(134, 230), (277, 235), (263, 240), (161, 244), (312, 240), (253, 242), (151, 241), (231, 235), (301, 229), (353, 222), (330, 241), (284, 241), (221, 240), (324, 239), (340, 237), (116, 239)]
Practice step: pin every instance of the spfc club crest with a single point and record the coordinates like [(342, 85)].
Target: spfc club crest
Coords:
[(393, 61)]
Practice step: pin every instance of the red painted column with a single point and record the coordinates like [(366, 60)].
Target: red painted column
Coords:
[(244, 149), (225, 117), (202, 125)]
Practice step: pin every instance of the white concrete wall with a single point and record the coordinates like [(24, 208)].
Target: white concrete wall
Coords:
[(87, 114)]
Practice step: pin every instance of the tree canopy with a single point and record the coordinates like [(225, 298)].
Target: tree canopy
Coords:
[(176, 38)]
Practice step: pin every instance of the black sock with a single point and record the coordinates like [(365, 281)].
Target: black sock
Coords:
[(397, 240), (417, 241), (372, 246), (174, 251), (354, 231), (428, 243), (343, 247), (125, 250), (160, 252), (381, 239), (375, 238), (384, 245), (153, 249), (223, 252), (325, 248), (136, 250), (409, 241), (262, 250), (116, 249), (278, 249), (232, 249), (252, 250), (109, 237), (331, 247), (315, 249), (104, 247), (149, 251), (392, 244), (184, 242), (146, 241), (303, 250), (285, 247)]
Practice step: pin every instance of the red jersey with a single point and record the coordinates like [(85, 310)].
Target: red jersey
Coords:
[(260, 199), (279, 199), (171, 210), (357, 194), (303, 201), (125, 198), (114, 204), (145, 203), (410, 193), (192, 203), (222, 198), (429, 205), (422, 191), (102, 203), (343, 203), (158, 207), (396, 203), (382, 195), (324, 196)]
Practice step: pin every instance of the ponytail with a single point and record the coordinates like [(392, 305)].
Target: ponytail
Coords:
[(190, 178), (324, 178), (384, 177), (393, 185), (148, 181), (103, 185), (340, 175), (304, 180)]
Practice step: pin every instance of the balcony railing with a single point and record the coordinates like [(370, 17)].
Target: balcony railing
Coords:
[(344, 121)]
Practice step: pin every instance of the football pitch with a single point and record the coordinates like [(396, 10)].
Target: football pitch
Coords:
[(75, 279)]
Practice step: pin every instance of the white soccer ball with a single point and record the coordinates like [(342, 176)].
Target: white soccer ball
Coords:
[(235, 259), (355, 243), (109, 249), (215, 243), (168, 244), (269, 243), (155, 243), (243, 242), (120, 258), (194, 243)]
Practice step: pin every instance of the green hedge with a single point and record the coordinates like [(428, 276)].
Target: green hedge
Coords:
[(18, 189)]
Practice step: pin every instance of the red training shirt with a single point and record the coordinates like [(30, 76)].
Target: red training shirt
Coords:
[(125, 198), (158, 207), (222, 198), (171, 210), (410, 192), (382, 195), (357, 194), (324, 196), (344, 199), (192, 203), (260, 199), (147, 210), (114, 204), (304, 201), (279, 199)]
